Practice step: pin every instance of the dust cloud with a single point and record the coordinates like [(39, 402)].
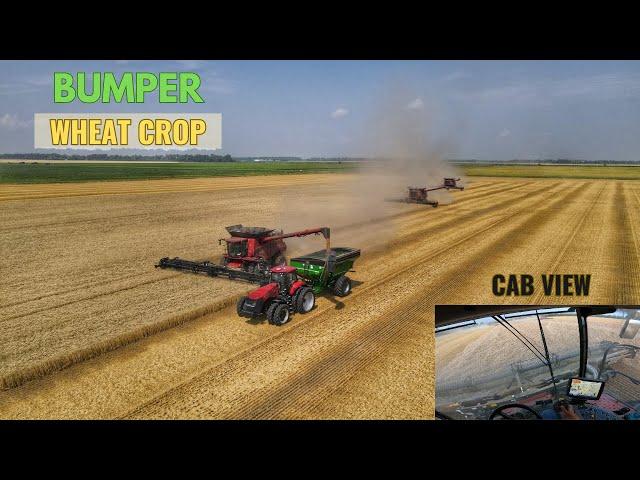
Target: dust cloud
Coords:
[(402, 151)]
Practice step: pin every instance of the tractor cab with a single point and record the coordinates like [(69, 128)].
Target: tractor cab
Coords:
[(285, 276), (506, 362)]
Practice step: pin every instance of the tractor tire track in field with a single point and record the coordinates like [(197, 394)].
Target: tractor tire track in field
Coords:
[(343, 353), (71, 290), (91, 297), (626, 252), (539, 296)]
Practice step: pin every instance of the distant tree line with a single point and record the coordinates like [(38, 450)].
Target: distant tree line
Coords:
[(201, 157), (269, 159), (336, 159), (105, 156), (558, 161)]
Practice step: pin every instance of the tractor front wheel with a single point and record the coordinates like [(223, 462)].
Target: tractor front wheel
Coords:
[(278, 314), (342, 287), (304, 300), (239, 305)]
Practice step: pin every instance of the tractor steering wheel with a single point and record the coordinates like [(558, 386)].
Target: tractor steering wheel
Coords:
[(499, 411)]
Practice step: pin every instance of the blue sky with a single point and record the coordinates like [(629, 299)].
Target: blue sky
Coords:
[(479, 109)]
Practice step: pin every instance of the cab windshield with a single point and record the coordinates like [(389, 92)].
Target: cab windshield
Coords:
[(284, 279), (237, 249)]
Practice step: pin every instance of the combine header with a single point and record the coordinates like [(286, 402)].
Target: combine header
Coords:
[(211, 269), (421, 194)]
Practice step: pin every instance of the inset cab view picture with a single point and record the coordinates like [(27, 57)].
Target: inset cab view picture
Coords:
[(536, 362)]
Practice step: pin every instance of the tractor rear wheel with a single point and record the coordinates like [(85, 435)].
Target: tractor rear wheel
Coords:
[(278, 314), (342, 287), (304, 300)]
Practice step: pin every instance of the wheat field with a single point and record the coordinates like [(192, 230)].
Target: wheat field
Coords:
[(91, 330)]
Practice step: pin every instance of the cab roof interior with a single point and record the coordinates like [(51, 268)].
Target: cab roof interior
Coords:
[(450, 314)]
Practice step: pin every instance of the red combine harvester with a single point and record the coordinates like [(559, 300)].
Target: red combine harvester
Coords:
[(421, 194), (257, 249), (251, 252), (450, 183)]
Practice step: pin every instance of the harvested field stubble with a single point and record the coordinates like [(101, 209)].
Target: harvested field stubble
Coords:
[(82, 283)]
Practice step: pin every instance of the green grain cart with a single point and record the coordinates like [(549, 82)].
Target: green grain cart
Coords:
[(324, 273)]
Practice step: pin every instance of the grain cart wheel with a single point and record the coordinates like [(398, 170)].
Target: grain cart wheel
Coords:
[(304, 300), (342, 287), (278, 314)]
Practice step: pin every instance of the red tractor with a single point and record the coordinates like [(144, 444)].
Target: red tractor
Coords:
[(283, 295)]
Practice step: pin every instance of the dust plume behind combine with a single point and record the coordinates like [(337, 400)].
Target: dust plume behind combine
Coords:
[(403, 151)]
